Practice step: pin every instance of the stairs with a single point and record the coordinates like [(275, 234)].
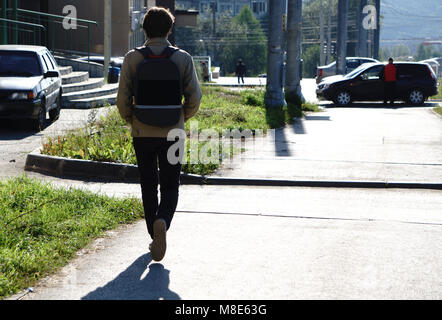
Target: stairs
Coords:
[(82, 92)]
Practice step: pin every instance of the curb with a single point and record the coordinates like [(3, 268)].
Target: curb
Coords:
[(119, 172)]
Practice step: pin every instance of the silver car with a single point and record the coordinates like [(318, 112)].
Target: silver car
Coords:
[(330, 69)]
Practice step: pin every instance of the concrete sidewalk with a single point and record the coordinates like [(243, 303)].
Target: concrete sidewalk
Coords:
[(308, 85), (369, 142), (267, 243)]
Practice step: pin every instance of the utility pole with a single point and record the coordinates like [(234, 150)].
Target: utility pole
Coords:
[(329, 32), (342, 37), (377, 31), (274, 96), (321, 34), (107, 36), (294, 71), (363, 32), (214, 10)]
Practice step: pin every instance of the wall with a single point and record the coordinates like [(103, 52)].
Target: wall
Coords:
[(76, 40)]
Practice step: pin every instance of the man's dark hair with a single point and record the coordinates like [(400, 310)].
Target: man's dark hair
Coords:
[(390, 59), (158, 22)]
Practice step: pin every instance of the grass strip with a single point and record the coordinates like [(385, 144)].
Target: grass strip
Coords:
[(42, 227), (108, 139)]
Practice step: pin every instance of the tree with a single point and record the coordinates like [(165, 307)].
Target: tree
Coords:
[(310, 59), (244, 39), (426, 52), (236, 37)]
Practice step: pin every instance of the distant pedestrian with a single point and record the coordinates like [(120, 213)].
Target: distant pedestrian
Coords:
[(240, 71), (154, 97), (206, 76), (390, 77)]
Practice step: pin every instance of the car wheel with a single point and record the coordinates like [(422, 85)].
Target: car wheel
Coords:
[(55, 113), (40, 122), (416, 96), (343, 98)]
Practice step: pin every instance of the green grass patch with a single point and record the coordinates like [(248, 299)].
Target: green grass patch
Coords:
[(438, 110), (42, 227), (439, 95), (108, 138)]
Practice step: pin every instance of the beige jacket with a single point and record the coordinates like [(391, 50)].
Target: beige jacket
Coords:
[(125, 97)]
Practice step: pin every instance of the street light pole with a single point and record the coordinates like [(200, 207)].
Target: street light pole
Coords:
[(363, 32), (377, 31), (107, 36), (321, 33), (342, 36), (294, 24), (329, 33), (274, 96)]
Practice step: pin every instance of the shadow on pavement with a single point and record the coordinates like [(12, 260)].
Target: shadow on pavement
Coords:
[(281, 147), (131, 285), (17, 129)]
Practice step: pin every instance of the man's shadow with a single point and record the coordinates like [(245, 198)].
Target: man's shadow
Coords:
[(129, 285)]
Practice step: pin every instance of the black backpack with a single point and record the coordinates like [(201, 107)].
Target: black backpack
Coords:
[(158, 89)]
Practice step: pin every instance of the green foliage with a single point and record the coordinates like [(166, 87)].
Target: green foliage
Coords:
[(310, 61), (108, 138), (438, 110), (236, 37), (41, 227), (426, 52)]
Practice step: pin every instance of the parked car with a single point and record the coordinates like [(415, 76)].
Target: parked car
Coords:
[(30, 84), (415, 83), (351, 64), (114, 66), (434, 63)]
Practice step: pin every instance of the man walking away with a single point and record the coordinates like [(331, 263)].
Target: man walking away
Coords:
[(389, 76), (240, 71), (150, 140)]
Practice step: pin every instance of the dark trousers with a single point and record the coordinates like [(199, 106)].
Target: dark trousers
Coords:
[(389, 91), (241, 78), (151, 155)]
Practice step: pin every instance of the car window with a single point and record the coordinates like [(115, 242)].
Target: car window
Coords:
[(50, 63), (372, 73), (19, 64), (355, 72), (352, 64), (51, 58), (410, 71), (44, 63)]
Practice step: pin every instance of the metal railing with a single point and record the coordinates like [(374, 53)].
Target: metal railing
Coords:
[(43, 27)]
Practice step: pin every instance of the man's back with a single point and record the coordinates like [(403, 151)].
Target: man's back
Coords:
[(390, 73), (190, 85)]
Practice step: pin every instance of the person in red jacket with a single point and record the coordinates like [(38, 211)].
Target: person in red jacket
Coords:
[(389, 81)]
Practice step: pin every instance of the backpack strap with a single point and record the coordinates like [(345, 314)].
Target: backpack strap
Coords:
[(148, 53)]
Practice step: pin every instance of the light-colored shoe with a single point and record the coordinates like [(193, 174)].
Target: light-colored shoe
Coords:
[(158, 245)]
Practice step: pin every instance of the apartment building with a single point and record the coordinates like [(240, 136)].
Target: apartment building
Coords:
[(126, 23), (259, 8)]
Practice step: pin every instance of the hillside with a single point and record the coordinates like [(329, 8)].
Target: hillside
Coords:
[(411, 19)]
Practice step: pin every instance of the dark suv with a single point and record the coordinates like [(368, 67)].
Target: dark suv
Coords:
[(30, 84), (415, 83)]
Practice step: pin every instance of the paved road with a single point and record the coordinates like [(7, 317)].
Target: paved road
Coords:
[(366, 142), (17, 140), (274, 243), (268, 243)]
